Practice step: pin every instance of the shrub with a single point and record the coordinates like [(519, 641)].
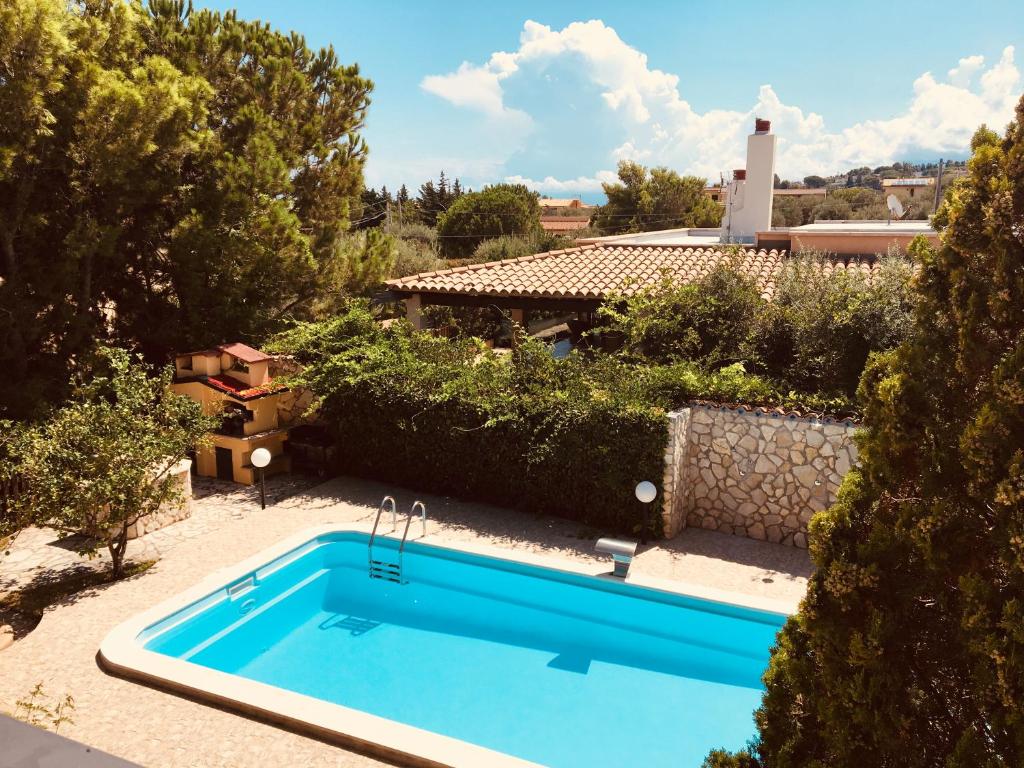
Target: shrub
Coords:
[(504, 247), (412, 258), (708, 320), (813, 338), (819, 330)]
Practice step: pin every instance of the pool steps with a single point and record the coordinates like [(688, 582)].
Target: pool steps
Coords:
[(387, 569)]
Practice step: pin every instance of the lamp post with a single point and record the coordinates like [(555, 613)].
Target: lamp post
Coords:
[(646, 492), (260, 459)]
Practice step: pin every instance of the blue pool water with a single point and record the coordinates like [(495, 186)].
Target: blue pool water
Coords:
[(561, 669)]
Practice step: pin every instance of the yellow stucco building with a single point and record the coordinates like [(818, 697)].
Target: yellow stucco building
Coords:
[(233, 380)]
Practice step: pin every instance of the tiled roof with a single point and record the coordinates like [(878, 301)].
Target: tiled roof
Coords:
[(243, 352), (594, 271), (237, 389)]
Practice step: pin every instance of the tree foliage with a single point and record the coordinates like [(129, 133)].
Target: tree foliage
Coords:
[(814, 336), (502, 209), (103, 460), (435, 199), (167, 176), (908, 648), (659, 199)]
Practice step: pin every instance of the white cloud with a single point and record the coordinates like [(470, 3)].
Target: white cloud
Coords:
[(579, 184), (663, 129), (961, 74)]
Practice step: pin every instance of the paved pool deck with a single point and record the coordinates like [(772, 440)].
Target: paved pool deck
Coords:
[(154, 728)]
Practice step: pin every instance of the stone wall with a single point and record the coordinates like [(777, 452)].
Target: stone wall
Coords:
[(752, 473), (169, 513)]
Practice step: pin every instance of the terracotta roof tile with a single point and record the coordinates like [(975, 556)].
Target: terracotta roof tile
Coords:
[(593, 271)]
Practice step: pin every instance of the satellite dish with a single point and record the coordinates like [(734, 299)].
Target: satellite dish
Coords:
[(895, 206)]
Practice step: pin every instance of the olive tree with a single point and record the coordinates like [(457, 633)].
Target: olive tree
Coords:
[(104, 460)]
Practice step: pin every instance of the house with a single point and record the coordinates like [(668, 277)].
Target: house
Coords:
[(234, 380), (909, 189)]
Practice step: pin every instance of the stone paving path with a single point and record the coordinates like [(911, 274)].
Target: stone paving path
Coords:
[(155, 728), (43, 553)]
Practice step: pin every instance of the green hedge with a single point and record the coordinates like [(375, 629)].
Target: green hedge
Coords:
[(450, 417)]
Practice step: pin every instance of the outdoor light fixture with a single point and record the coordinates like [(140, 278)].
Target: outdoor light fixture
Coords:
[(622, 554), (646, 492), (260, 458)]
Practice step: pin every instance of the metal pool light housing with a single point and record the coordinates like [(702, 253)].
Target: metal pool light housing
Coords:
[(622, 554)]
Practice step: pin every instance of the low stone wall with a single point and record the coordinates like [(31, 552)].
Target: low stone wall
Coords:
[(169, 513), (752, 473)]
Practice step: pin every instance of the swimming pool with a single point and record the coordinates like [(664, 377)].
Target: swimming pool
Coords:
[(473, 660)]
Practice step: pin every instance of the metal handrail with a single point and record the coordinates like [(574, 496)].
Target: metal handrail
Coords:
[(385, 502), (405, 533)]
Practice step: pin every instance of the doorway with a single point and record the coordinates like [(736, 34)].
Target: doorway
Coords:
[(225, 469)]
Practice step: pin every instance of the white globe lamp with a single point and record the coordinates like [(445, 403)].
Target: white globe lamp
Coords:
[(260, 458), (646, 492)]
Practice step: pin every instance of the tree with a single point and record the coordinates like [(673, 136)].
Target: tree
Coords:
[(374, 208), (435, 200), (814, 182), (103, 461), (908, 648), (168, 177), (361, 262), (502, 209), (661, 199)]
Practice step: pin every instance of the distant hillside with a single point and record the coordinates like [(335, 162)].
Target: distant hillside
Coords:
[(872, 178)]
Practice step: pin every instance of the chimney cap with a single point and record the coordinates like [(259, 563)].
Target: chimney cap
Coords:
[(762, 126), (740, 174)]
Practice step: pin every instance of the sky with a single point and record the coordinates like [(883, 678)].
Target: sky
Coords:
[(555, 94)]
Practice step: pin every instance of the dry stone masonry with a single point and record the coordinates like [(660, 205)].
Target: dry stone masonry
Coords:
[(751, 473)]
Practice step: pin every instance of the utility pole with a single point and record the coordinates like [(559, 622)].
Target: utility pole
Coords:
[(938, 186)]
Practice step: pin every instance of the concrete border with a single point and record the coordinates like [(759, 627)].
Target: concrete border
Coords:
[(121, 653)]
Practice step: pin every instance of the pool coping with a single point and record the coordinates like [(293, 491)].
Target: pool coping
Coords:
[(120, 653)]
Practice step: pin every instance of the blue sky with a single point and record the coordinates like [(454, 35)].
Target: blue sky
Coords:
[(554, 94)]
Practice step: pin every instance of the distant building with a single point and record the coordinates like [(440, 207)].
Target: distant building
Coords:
[(555, 204), (717, 193), (909, 189), (847, 238), (815, 192), (233, 380)]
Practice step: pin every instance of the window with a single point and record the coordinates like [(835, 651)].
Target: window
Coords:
[(186, 364), (238, 365)]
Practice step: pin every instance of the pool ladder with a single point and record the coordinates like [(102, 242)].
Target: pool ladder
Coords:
[(387, 569)]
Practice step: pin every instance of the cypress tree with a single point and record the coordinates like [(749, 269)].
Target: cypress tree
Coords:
[(908, 649)]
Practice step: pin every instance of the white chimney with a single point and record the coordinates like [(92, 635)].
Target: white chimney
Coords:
[(748, 204)]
